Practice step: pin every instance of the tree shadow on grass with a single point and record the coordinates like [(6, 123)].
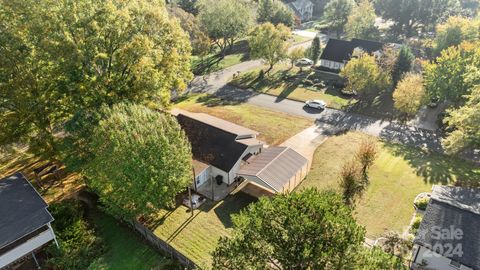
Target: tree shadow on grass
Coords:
[(379, 105), (231, 205), (436, 168)]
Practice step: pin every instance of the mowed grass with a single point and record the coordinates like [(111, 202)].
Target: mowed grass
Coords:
[(197, 236), (124, 249), (289, 82), (274, 127), (398, 175)]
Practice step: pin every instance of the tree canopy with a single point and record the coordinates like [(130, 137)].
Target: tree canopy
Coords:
[(461, 63), (455, 31), (301, 230), (140, 160), (269, 43), (59, 57), (361, 21), (336, 14), (364, 75), (275, 12), (225, 21), (198, 38), (465, 123), (411, 15), (409, 95)]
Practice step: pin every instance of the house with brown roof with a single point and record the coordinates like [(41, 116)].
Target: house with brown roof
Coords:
[(226, 154)]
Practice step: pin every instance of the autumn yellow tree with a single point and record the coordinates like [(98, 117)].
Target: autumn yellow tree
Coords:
[(410, 94)]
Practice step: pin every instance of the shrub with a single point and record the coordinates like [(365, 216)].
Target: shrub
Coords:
[(79, 246), (415, 225), (422, 203)]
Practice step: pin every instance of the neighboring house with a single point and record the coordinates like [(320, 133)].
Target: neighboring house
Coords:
[(338, 52), (24, 220), (303, 9), (225, 154), (449, 235)]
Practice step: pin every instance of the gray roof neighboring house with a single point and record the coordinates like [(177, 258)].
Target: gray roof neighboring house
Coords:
[(457, 208), (275, 166), (299, 5), (22, 209)]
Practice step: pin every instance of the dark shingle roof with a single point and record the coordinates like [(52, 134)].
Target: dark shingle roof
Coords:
[(22, 209), (341, 50), (367, 45), (210, 144), (337, 50), (445, 214), (275, 166)]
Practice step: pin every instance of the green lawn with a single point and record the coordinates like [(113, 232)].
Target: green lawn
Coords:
[(274, 127), (124, 249), (287, 82), (398, 175), (197, 236), (299, 39)]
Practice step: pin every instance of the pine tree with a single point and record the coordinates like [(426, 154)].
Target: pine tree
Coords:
[(315, 52), (402, 65)]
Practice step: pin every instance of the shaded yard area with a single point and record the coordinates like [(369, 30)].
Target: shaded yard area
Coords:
[(197, 236), (398, 175), (295, 83), (214, 61), (274, 127), (124, 249)]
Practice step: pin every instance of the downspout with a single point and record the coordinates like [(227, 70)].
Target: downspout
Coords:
[(53, 234)]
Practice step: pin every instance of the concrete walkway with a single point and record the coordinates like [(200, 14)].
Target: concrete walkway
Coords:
[(307, 141)]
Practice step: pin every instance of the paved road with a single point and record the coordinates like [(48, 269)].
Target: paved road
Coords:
[(333, 121), (212, 82)]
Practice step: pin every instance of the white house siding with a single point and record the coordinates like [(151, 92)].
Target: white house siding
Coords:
[(203, 177), (433, 260), (331, 64), (26, 248), (216, 171)]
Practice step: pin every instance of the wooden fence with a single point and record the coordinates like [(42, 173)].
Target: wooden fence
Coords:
[(163, 246)]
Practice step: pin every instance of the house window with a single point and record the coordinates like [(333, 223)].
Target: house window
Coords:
[(455, 264)]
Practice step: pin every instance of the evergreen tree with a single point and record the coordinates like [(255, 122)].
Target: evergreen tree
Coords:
[(403, 64), (315, 51)]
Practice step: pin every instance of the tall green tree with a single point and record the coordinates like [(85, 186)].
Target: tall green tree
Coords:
[(189, 6), (275, 12), (198, 38), (455, 31), (269, 43), (59, 57), (465, 123), (336, 14), (301, 230), (403, 64), (140, 159), (225, 21), (364, 75), (315, 49), (411, 15), (361, 21), (409, 95), (461, 63)]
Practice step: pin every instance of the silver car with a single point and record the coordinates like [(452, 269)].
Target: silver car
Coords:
[(317, 104), (304, 62)]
